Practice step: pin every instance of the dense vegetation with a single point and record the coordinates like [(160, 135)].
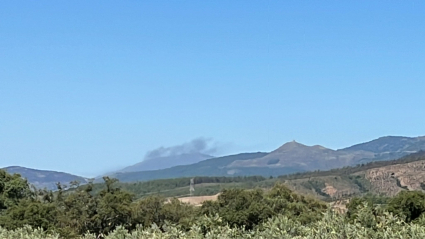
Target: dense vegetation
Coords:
[(72, 214), (92, 210), (369, 223), (180, 186)]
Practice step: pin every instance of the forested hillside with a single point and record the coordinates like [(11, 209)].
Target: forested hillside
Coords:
[(83, 210)]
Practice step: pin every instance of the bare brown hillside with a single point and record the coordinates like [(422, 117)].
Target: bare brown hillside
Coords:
[(390, 180), (387, 180), (198, 200)]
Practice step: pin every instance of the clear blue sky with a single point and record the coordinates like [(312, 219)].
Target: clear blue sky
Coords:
[(89, 86)]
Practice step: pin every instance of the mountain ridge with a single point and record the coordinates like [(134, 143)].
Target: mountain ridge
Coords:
[(306, 158), (289, 158), (390, 143), (45, 178)]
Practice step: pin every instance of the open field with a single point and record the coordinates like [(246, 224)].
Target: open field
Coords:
[(198, 200)]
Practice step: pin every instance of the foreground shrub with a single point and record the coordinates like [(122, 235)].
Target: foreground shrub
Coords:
[(330, 226)]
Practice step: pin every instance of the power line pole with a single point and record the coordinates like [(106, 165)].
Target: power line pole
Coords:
[(191, 188)]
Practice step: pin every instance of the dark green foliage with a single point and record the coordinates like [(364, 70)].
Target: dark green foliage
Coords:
[(102, 208), (157, 210), (71, 214), (81, 210), (250, 207), (19, 205), (371, 200), (113, 208), (240, 207), (77, 214), (284, 201), (148, 211), (12, 189), (408, 205), (30, 212)]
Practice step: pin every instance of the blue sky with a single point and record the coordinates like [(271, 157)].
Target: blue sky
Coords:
[(91, 86)]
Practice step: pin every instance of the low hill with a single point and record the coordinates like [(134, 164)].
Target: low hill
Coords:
[(44, 178)]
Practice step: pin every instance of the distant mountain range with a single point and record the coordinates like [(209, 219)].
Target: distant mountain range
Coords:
[(44, 178), (309, 158), (291, 157)]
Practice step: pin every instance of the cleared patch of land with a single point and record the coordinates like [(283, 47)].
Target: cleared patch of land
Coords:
[(198, 200)]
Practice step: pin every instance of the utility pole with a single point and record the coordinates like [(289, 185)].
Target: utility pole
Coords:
[(191, 188)]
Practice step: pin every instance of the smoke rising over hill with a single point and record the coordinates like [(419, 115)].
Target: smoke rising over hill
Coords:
[(196, 146)]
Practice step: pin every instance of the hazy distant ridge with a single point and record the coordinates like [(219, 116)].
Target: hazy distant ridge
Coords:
[(45, 178)]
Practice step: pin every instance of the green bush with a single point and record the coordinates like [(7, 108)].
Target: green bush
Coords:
[(409, 205), (330, 226)]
